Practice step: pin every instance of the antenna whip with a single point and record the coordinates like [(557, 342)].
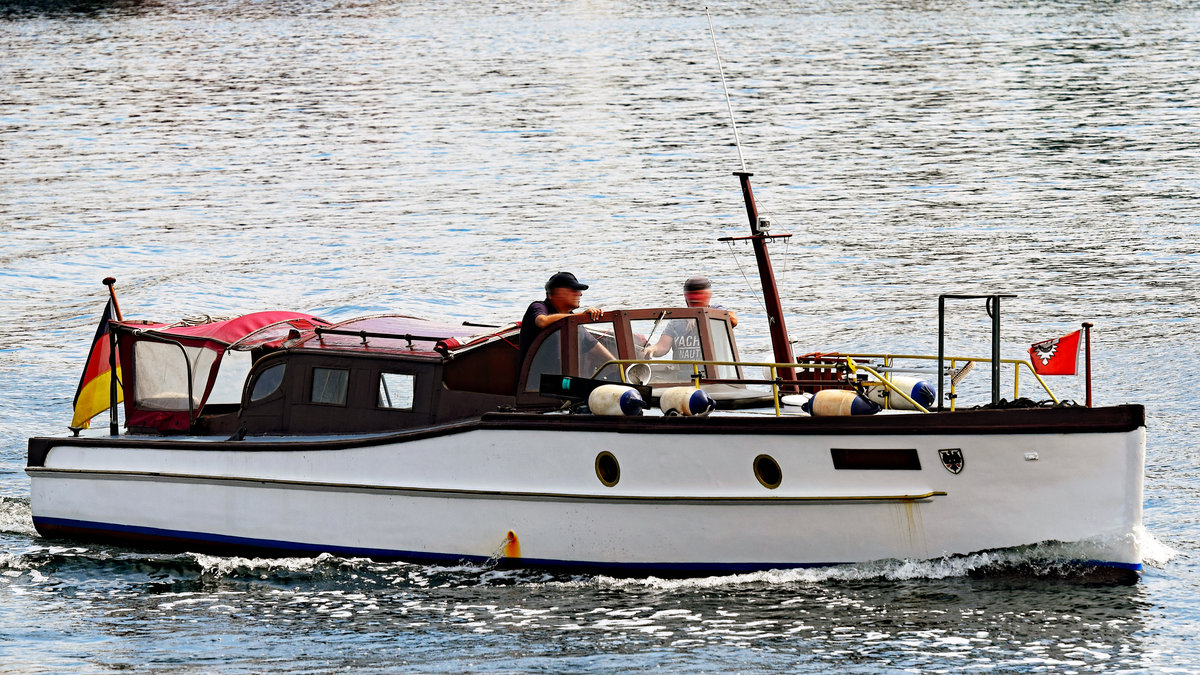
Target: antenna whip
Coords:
[(720, 67)]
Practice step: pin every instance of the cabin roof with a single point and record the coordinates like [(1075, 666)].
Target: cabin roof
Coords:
[(398, 334)]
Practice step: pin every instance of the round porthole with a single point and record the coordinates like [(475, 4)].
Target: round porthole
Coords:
[(607, 469), (767, 471)]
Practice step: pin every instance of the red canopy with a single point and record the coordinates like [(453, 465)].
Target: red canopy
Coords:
[(232, 330)]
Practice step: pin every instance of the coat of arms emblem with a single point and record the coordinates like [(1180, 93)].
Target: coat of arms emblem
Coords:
[(1044, 351), (952, 459)]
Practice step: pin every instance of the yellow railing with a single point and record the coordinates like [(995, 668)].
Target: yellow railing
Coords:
[(846, 360), (953, 361)]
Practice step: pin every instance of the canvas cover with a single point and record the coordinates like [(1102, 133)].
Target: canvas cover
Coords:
[(174, 366)]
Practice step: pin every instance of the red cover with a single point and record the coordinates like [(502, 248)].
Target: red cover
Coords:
[(232, 330)]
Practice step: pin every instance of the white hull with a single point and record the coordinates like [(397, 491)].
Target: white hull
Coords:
[(685, 502)]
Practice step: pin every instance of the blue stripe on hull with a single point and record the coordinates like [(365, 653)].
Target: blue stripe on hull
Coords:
[(178, 539)]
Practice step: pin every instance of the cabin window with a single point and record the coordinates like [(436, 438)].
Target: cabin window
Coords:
[(722, 348), (329, 385), (597, 344), (396, 390), (267, 382), (162, 375), (547, 359)]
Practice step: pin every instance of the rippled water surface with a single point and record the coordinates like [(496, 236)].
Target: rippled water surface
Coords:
[(443, 158)]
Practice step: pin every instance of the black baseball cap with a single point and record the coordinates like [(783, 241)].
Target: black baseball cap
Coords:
[(565, 280)]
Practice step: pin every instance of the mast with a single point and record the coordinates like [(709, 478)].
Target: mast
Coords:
[(781, 346), (758, 238)]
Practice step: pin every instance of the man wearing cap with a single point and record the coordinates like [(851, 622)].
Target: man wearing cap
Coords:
[(697, 292), (681, 334), (563, 292)]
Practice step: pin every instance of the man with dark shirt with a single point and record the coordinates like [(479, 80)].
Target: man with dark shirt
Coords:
[(563, 292)]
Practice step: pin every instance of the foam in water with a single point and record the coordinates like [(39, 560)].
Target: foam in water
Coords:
[(1154, 552), (1045, 559), (16, 516), (1041, 559)]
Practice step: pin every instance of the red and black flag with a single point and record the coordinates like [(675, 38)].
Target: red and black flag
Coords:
[(1058, 356), (93, 396)]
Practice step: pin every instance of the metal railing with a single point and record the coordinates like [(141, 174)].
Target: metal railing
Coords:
[(840, 361), (953, 361)]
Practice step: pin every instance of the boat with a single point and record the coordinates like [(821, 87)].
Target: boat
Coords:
[(397, 437)]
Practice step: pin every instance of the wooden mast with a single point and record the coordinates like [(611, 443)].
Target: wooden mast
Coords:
[(780, 343)]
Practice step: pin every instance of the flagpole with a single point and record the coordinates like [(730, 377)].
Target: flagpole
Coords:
[(114, 426), (1087, 357), (112, 293)]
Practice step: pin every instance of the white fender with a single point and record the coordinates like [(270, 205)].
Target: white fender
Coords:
[(615, 399), (839, 403), (686, 401), (921, 391)]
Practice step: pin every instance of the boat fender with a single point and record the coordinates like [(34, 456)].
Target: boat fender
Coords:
[(839, 403), (686, 401), (615, 400), (921, 391)]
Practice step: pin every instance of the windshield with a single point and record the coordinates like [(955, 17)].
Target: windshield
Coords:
[(668, 340), (547, 360), (597, 345), (722, 348)]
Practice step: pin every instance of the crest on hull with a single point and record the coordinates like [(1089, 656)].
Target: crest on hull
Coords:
[(952, 459)]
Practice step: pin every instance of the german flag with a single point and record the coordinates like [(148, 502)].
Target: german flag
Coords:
[(92, 397)]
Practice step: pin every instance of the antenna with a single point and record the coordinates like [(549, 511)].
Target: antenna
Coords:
[(736, 140), (758, 239)]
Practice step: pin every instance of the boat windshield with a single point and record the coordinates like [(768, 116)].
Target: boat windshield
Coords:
[(547, 359), (722, 348), (597, 345), (671, 340)]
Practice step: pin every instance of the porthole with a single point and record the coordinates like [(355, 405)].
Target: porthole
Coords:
[(767, 471), (607, 469)]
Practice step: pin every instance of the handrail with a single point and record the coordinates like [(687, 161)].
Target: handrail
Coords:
[(854, 367), (843, 360), (774, 366), (1017, 363), (364, 334)]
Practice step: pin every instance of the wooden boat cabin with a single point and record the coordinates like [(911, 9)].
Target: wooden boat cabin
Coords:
[(291, 373)]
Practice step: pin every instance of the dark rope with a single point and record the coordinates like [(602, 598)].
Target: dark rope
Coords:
[(1023, 402)]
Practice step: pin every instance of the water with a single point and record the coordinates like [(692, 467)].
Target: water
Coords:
[(442, 159)]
